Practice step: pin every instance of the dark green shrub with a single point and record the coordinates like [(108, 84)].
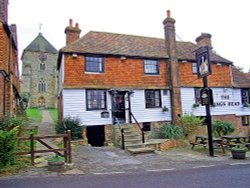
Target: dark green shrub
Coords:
[(8, 122), (8, 146), (70, 124), (168, 131), (221, 128), (189, 123)]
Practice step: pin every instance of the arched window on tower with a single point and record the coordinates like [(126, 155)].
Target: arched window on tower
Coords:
[(42, 66), (42, 87)]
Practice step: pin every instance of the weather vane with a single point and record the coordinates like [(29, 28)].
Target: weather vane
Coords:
[(40, 27)]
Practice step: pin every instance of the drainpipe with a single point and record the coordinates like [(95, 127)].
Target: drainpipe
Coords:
[(4, 74)]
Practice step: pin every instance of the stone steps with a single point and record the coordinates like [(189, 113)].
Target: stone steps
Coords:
[(133, 141), (140, 150)]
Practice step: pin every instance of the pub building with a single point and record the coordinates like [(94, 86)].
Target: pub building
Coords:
[(107, 79)]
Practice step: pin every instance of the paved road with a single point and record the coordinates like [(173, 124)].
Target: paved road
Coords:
[(229, 176), (110, 160)]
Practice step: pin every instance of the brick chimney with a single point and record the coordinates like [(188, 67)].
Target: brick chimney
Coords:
[(72, 33), (4, 10), (170, 43), (204, 40)]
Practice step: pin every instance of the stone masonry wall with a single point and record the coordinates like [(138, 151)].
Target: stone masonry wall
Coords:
[(32, 75)]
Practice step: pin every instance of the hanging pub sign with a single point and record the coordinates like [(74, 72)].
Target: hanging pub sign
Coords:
[(203, 61)]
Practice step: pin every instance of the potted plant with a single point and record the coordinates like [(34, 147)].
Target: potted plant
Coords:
[(246, 105), (56, 163), (165, 109), (195, 105), (239, 152)]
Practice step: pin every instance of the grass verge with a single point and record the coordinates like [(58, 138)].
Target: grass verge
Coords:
[(34, 114), (22, 163)]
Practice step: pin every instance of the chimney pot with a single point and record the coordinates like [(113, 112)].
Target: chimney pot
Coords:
[(204, 40), (168, 13), (72, 32), (70, 22), (77, 26)]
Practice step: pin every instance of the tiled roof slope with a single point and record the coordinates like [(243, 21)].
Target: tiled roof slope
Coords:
[(129, 45), (240, 79), (40, 44)]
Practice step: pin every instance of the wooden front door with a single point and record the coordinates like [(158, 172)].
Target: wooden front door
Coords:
[(41, 102), (118, 107)]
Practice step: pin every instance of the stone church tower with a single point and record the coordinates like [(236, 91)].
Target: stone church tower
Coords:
[(39, 75)]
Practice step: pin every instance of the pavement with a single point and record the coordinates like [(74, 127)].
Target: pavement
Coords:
[(89, 160)]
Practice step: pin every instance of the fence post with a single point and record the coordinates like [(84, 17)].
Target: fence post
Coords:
[(65, 147), (143, 136), (32, 154), (69, 146)]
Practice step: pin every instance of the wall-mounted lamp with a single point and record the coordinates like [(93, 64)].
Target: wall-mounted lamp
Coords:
[(74, 55), (123, 58), (218, 64)]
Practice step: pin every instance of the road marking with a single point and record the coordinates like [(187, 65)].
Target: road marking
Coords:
[(203, 166), (238, 164), (158, 170), (101, 173)]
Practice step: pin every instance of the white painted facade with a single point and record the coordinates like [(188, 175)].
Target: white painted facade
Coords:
[(227, 102), (74, 105)]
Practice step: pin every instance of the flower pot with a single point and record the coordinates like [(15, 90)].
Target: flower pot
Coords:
[(56, 166), (238, 154)]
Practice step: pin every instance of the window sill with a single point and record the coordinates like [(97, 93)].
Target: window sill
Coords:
[(93, 72), (151, 74)]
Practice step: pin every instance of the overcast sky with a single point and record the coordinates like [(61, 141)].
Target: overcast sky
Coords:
[(226, 20)]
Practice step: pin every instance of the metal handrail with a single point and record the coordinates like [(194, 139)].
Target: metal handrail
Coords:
[(141, 129), (122, 133)]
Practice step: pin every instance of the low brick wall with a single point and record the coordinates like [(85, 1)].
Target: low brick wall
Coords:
[(162, 144)]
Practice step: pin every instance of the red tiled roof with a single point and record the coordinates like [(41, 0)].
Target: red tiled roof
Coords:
[(128, 45), (240, 79)]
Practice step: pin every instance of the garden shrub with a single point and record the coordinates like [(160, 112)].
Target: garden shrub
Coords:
[(189, 123), (8, 146), (168, 131), (70, 124), (221, 128), (8, 122)]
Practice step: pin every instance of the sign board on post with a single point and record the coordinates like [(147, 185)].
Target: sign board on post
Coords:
[(203, 61), (204, 69), (206, 96)]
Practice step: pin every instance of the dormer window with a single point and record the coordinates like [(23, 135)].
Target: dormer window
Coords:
[(94, 64), (151, 67)]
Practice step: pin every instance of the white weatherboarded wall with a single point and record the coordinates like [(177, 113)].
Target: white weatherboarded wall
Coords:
[(151, 114), (226, 100), (74, 105)]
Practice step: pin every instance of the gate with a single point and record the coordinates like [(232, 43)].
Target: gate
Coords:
[(66, 150)]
